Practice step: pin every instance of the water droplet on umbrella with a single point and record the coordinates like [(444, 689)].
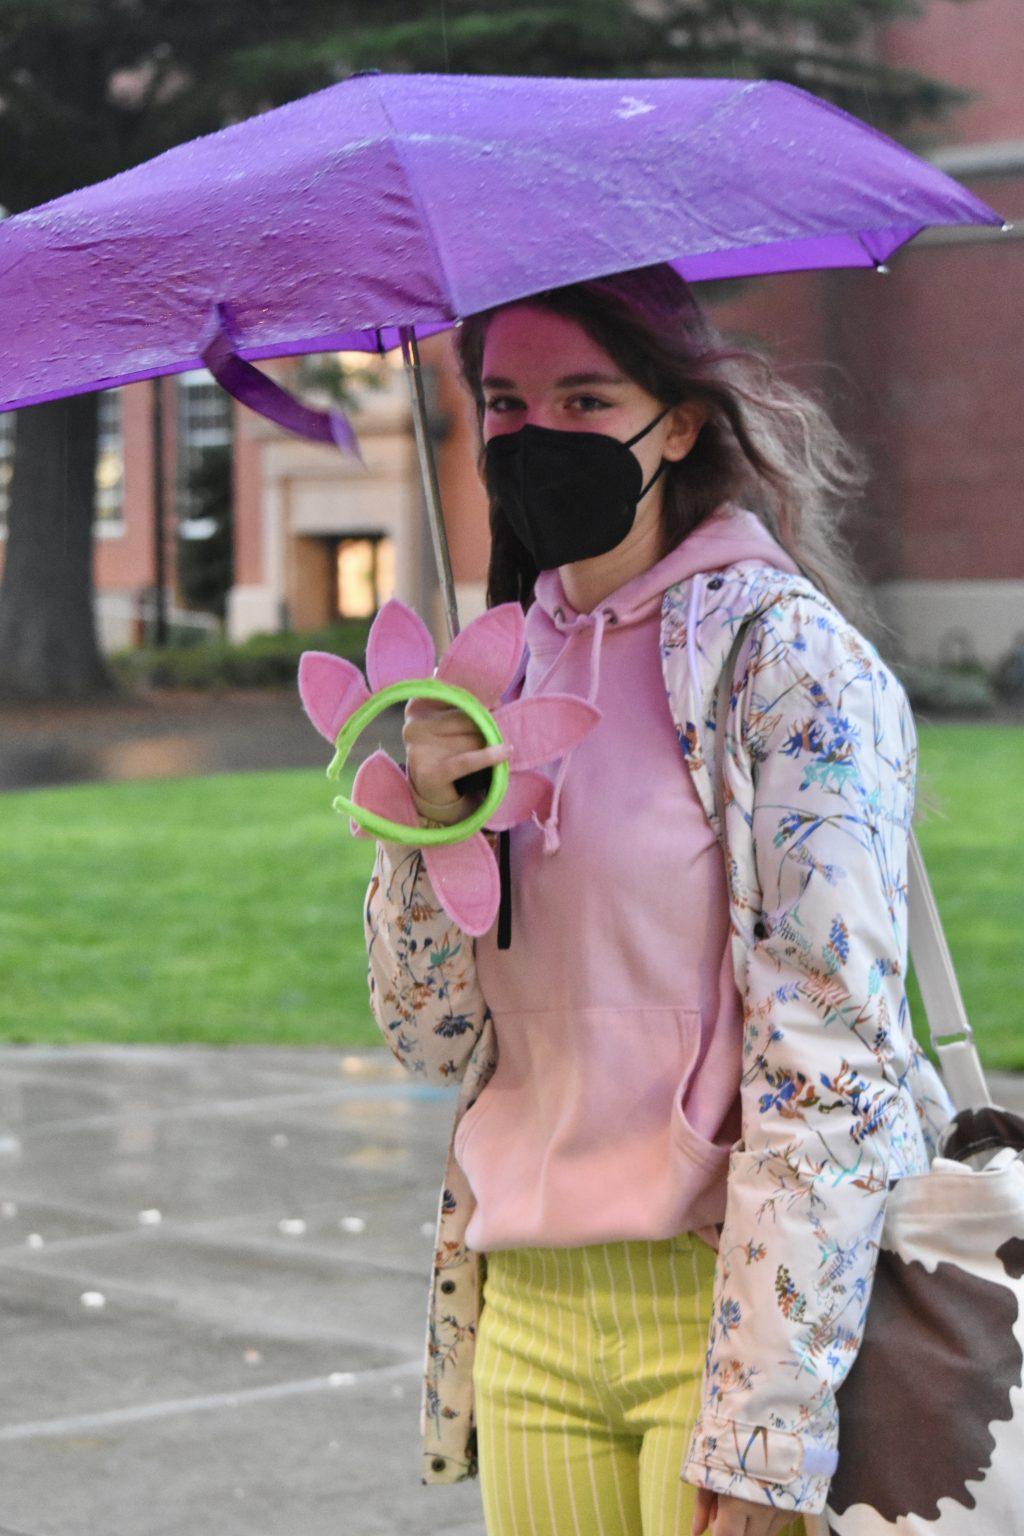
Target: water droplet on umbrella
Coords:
[(352, 1224), (34, 1240), (93, 1299), (293, 1226), (150, 1217)]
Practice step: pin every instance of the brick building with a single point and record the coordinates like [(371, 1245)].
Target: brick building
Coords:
[(923, 366)]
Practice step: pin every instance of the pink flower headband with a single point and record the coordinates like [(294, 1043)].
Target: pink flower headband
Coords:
[(483, 659)]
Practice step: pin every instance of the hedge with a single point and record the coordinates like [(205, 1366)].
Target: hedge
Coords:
[(262, 661)]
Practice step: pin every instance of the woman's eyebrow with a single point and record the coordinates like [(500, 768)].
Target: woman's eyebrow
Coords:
[(568, 381)]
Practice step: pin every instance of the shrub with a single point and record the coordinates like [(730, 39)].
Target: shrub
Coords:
[(262, 661), (961, 690)]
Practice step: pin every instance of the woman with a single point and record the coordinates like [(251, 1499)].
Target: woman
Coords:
[(686, 1082)]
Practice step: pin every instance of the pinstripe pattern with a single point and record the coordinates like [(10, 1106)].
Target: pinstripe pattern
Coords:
[(586, 1381)]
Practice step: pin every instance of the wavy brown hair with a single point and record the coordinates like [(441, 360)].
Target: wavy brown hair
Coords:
[(765, 444)]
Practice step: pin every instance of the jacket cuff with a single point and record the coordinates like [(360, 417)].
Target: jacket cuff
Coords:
[(769, 1466)]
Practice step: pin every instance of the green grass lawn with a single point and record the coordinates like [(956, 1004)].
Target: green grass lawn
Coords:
[(222, 909), (229, 909)]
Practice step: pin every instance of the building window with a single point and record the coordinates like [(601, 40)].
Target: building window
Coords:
[(109, 465), (109, 502), (204, 422), (6, 465), (365, 575)]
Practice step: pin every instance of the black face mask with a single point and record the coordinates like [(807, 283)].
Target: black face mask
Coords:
[(567, 495)]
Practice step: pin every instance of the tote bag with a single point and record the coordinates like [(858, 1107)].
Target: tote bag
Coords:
[(931, 1413)]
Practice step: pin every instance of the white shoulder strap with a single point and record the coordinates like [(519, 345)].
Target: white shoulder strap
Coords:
[(950, 1029)]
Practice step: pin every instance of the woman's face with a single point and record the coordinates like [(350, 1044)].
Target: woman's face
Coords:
[(542, 369)]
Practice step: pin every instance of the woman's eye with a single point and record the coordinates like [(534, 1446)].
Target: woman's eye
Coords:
[(501, 403), (589, 402)]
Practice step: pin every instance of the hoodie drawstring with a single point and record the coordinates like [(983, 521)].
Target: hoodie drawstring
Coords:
[(549, 827)]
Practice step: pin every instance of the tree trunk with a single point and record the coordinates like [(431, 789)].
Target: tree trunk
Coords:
[(48, 644)]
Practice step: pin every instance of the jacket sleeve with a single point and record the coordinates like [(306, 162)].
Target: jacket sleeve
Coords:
[(424, 992), (819, 796)]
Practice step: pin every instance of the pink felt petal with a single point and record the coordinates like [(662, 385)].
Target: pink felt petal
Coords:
[(399, 646), (331, 690), (484, 657), (545, 726), (466, 882), (527, 792), (381, 786)]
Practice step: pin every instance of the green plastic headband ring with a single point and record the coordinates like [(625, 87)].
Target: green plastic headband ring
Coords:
[(420, 688)]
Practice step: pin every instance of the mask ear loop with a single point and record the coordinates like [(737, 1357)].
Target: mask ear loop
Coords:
[(636, 438), (644, 430), (651, 481)]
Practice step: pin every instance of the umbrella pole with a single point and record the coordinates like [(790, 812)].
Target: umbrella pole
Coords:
[(428, 471), (428, 475)]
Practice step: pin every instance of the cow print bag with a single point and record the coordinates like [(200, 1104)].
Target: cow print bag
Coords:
[(931, 1413), (931, 1427)]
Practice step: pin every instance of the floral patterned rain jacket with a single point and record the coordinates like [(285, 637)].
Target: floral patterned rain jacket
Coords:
[(837, 1098)]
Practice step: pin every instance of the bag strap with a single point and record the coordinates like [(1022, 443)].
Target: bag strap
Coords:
[(948, 1024)]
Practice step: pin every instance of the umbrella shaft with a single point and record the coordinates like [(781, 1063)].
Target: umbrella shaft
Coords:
[(428, 474)]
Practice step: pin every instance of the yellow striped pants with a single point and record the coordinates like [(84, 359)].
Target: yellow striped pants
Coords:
[(586, 1381)]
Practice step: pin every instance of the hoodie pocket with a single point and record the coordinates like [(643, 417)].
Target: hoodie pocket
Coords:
[(685, 1133), (577, 1083)]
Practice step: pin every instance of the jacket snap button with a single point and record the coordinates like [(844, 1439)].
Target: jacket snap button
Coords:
[(438, 1464), (760, 930), (447, 1286), (715, 583)]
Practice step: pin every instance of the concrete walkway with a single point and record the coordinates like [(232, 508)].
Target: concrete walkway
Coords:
[(170, 733), (214, 1267)]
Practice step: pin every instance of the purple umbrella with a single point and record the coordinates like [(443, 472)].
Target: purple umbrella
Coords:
[(387, 207)]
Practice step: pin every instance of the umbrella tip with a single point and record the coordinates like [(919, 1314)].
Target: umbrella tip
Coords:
[(881, 267), (1006, 228)]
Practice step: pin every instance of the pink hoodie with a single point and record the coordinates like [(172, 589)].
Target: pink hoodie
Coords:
[(615, 1100)]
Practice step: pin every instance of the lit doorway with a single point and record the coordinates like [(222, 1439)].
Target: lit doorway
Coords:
[(364, 575)]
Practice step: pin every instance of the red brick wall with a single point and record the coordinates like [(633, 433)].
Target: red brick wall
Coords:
[(975, 44)]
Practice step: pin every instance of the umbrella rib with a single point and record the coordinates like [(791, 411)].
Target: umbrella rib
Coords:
[(421, 209)]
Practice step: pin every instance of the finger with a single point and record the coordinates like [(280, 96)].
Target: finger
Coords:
[(444, 715), (440, 747), (440, 722), (469, 762), (701, 1512), (441, 728)]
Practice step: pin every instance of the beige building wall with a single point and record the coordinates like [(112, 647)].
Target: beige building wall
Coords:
[(305, 496)]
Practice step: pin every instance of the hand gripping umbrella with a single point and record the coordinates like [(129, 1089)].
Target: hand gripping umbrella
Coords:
[(387, 207)]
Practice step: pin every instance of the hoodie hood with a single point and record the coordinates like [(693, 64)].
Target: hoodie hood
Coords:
[(731, 534)]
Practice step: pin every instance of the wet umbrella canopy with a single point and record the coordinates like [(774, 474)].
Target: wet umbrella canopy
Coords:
[(388, 206), (391, 200)]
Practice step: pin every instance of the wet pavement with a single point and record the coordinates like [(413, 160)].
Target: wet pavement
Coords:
[(171, 733), (214, 1267)]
